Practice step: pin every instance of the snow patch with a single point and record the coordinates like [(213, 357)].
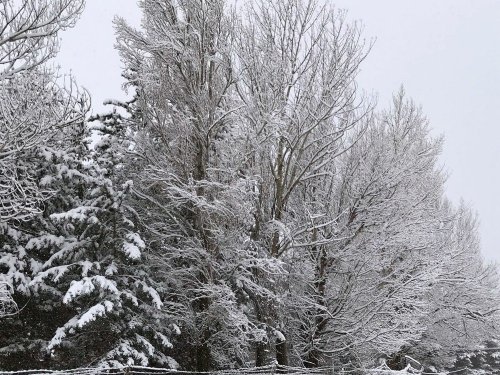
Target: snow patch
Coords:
[(131, 250), (176, 329), (111, 269), (95, 312), (87, 286), (164, 340), (280, 336), (133, 246)]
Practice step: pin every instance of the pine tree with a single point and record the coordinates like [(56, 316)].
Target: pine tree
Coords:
[(79, 267)]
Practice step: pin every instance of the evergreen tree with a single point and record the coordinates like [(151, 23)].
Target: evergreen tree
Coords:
[(78, 268)]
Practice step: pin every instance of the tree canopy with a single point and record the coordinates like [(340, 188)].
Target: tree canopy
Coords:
[(248, 205)]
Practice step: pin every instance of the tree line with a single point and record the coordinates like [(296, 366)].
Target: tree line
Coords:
[(248, 205)]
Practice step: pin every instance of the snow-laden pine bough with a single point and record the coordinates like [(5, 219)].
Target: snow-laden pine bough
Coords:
[(7, 304)]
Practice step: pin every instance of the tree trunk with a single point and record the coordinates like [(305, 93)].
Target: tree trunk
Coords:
[(281, 346), (319, 254), (260, 354), (203, 358), (282, 352), (260, 347)]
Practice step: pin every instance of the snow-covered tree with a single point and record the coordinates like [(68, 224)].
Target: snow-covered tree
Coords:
[(32, 107), (78, 268), (248, 205), (297, 64), (465, 297), (190, 196), (29, 32), (375, 230)]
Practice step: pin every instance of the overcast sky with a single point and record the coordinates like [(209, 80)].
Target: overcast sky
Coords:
[(446, 53)]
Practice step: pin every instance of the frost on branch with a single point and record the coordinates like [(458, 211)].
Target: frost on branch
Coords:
[(32, 106), (30, 28)]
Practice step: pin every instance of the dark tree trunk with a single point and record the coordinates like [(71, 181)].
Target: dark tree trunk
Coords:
[(312, 359), (202, 354), (260, 347), (260, 354), (203, 358), (282, 355)]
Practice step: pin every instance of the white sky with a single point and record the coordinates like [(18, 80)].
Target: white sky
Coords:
[(446, 53)]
